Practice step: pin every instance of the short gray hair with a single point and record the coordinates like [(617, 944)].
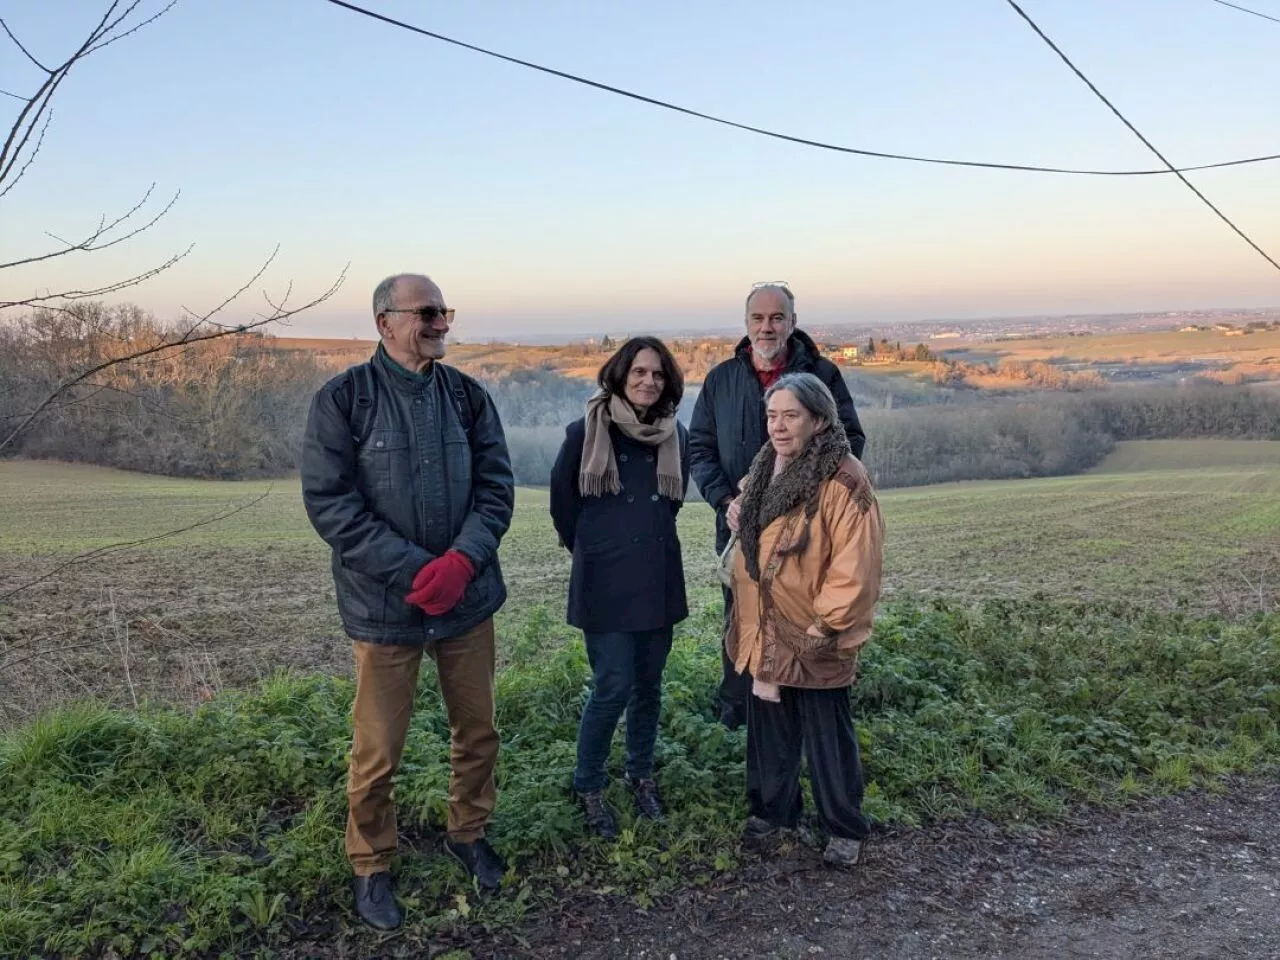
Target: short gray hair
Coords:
[(385, 292), (812, 393), (781, 288)]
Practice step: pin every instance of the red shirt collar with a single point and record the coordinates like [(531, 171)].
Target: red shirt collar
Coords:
[(769, 376)]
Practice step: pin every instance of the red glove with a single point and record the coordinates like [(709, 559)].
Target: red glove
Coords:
[(441, 583)]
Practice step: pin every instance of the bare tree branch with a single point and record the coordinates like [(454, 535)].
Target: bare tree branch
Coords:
[(26, 122), (100, 36), (127, 544), (91, 242), (134, 29), (19, 45), (190, 337), (144, 401), (31, 157), (44, 299), (15, 96), (7, 664)]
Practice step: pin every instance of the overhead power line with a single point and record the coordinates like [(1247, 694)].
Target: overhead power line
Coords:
[(1137, 133), (1256, 13), (802, 141)]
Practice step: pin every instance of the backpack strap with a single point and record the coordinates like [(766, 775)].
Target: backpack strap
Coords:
[(364, 398), (461, 399)]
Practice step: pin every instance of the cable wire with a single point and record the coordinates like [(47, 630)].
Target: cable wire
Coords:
[(1256, 13), (1137, 133), (802, 141)]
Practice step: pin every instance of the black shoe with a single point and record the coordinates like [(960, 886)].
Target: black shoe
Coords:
[(375, 903), (481, 861), (598, 815), (648, 800), (758, 828)]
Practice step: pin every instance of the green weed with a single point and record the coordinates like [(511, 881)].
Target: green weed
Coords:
[(173, 833)]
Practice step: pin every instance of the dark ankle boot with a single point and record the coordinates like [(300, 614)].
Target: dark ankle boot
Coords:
[(481, 861), (375, 902), (599, 817), (648, 799)]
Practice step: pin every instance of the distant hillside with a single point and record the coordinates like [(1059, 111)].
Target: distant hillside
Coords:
[(1224, 352)]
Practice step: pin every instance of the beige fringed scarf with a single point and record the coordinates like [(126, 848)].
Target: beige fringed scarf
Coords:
[(599, 471)]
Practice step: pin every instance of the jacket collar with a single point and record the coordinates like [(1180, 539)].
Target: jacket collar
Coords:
[(802, 352), (406, 381)]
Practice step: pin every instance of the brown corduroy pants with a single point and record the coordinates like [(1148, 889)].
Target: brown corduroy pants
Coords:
[(386, 681)]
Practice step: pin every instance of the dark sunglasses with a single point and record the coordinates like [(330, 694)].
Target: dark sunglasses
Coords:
[(428, 314)]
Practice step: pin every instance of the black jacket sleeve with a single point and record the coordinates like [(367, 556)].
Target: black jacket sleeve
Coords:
[(564, 484), (844, 403), (704, 447), (493, 485), (335, 506)]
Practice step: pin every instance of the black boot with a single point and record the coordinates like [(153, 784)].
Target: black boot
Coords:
[(375, 903), (648, 800), (481, 861), (599, 817)]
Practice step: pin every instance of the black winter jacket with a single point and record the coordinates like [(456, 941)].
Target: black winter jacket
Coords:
[(628, 574), (728, 427), (420, 484)]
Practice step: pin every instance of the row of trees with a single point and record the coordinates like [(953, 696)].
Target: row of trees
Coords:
[(235, 407), (225, 408)]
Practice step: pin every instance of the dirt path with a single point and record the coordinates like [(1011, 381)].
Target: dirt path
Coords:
[(1193, 876)]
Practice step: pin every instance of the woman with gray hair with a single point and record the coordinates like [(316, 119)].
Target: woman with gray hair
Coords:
[(806, 579)]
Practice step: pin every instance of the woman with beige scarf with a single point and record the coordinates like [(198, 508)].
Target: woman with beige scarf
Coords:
[(616, 488), (805, 582)]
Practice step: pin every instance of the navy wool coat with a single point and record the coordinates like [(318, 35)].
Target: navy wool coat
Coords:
[(628, 575)]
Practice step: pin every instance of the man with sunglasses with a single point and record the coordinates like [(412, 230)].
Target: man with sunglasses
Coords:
[(728, 429), (406, 475)]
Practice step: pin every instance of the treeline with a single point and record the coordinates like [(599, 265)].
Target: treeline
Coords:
[(1054, 434), (230, 408), (1013, 373), (235, 408)]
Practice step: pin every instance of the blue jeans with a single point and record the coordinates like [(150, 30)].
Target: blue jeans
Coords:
[(627, 672)]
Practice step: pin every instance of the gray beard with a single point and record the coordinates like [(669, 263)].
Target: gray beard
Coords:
[(771, 356)]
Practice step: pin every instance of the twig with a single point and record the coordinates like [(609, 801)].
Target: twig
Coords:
[(126, 544), (44, 653), (31, 157), (90, 242), (124, 645), (44, 298), (19, 45), (186, 340)]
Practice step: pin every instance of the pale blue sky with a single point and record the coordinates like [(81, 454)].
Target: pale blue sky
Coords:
[(542, 205)]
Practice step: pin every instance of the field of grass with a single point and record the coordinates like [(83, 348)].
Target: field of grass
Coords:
[(1152, 347), (1191, 525), (1235, 459), (1116, 654)]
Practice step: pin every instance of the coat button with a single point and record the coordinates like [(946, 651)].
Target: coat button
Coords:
[(649, 457), (630, 498), (623, 457), (635, 539), (417, 402), (379, 444), (653, 497), (431, 631)]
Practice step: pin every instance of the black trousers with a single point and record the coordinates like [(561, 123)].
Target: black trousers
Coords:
[(735, 688), (820, 722)]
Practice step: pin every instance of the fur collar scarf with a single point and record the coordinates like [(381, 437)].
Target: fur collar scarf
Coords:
[(765, 497)]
